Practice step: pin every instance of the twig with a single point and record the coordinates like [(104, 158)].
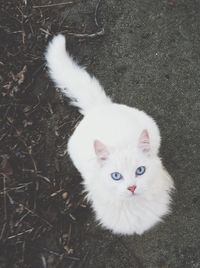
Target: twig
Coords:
[(12, 104), (29, 110), (20, 234), (22, 218), (32, 159), (54, 5), (37, 232), (10, 199), (2, 231), (53, 252), (95, 14), (4, 197), (15, 188), (43, 259), (61, 125), (37, 174), (44, 178), (85, 35), (72, 258), (45, 31), (69, 235), (34, 214), (60, 255), (84, 259), (50, 108), (90, 35), (57, 192), (72, 217), (23, 250)]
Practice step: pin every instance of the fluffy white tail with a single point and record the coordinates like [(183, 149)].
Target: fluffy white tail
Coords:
[(84, 90)]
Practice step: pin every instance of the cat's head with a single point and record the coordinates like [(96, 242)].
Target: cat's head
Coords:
[(129, 171)]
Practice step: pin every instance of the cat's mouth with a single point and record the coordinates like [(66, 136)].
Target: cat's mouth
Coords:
[(129, 195), (133, 194)]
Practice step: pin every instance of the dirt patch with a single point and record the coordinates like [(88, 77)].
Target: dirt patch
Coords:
[(41, 204)]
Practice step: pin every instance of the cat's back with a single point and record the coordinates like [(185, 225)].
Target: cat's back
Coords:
[(114, 125)]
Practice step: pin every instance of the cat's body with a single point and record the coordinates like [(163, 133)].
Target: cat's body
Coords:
[(111, 147)]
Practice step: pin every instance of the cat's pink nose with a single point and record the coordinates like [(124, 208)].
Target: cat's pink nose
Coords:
[(132, 188)]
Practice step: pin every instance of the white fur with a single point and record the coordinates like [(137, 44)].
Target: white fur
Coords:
[(74, 81), (119, 128)]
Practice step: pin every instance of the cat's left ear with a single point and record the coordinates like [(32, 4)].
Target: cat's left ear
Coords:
[(101, 150), (144, 141)]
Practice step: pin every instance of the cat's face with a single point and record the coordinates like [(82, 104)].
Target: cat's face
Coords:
[(127, 172)]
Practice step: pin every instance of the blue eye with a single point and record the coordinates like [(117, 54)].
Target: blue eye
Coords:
[(140, 171), (116, 176)]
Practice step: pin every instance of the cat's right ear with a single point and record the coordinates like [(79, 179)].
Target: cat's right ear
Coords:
[(144, 141), (100, 150)]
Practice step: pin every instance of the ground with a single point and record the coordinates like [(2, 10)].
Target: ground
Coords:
[(147, 55)]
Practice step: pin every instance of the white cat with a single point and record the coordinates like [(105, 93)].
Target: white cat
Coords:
[(115, 148)]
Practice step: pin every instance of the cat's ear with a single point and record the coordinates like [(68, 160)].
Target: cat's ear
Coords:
[(144, 141), (100, 150)]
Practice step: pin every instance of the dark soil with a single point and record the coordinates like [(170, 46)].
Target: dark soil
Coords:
[(41, 204)]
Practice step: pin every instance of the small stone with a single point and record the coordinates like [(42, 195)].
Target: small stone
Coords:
[(65, 195)]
